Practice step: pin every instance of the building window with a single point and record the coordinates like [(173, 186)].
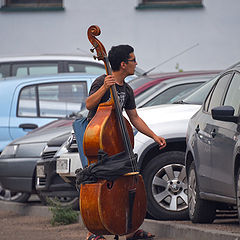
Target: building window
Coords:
[(146, 4), (9, 5)]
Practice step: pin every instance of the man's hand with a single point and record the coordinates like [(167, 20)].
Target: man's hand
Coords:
[(109, 81), (161, 141)]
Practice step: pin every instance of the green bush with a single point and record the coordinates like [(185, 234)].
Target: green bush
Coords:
[(62, 215)]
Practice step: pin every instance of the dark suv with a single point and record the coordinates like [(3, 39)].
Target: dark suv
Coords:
[(213, 150)]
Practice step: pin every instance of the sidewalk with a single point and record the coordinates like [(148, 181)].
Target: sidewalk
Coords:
[(177, 230)]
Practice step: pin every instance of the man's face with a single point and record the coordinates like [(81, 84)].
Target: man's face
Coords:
[(131, 64)]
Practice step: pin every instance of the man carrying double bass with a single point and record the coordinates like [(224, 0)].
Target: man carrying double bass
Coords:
[(123, 63)]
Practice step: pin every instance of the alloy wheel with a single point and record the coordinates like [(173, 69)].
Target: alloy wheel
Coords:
[(169, 187), (7, 195)]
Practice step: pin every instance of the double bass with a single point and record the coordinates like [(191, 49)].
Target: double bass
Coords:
[(111, 207)]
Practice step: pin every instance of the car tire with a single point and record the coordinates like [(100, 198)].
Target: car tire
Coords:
[(7, 195), (200, 210), (166, 186), (72, 202)]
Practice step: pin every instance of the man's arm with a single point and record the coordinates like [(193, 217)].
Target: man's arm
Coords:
[(141, 126), (94, 99)]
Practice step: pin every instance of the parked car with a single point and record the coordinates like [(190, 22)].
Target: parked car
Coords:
[(30, 102), (172, 89), (48, 183), (145, 82), (18, 160), (22, 66), (163, 170), (48, 64), (213, 150)]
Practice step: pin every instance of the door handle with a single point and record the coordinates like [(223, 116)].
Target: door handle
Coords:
[(28, 126), (213, 132), (197, 129)]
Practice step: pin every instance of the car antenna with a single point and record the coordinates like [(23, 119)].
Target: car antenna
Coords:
[(186, 50)]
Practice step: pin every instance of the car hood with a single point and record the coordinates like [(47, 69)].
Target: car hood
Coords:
[(53, 124), (59, 140), (169, 121), (167, 113), (43, 135)]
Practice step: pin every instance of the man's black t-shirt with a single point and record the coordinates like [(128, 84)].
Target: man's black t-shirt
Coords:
[(125, 94)]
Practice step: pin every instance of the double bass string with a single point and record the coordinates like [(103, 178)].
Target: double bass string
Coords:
[(127, 143), (125, 135)]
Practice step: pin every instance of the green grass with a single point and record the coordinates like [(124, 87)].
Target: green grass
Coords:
[(62, 215)]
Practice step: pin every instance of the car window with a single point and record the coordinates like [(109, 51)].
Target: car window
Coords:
[(218, 92), (171, 93), (200, 94), (86, 68), (54, 100), (206, 103), (27, 105), (233, 93), (25, 69), (4, 70), (60, 100)]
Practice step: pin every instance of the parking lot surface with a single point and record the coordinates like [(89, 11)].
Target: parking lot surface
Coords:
[(32, 221), (17, 227)]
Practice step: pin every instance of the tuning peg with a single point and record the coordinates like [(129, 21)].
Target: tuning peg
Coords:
[(92, 49), (95, 57)]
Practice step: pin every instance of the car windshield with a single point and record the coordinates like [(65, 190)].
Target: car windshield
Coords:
[(171, 90), (198, 96), (138, 82), (140, 97)]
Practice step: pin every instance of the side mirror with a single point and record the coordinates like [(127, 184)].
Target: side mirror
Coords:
[(224, 113)]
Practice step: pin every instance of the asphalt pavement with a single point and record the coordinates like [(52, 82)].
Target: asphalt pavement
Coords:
[(222, 229)]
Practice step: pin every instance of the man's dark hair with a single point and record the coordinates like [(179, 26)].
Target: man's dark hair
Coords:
[(119, 54)]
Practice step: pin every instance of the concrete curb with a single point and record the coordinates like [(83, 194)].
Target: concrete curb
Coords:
[(25, 209), (173, 230), (163, 229)]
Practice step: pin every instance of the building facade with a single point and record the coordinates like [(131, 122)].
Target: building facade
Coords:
[(202, 34)]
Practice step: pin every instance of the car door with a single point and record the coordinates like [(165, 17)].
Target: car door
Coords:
[(37, 104), (223, 144), (204, 133)]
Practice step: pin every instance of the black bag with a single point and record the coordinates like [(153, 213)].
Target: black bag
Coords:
[(108, 168)]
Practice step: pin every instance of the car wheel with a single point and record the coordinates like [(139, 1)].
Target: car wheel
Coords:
[(165, 182), (72, 202), (7, 195), (200, 210)]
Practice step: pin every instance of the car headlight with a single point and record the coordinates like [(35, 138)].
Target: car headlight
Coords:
[(9, 151), (64, 148)]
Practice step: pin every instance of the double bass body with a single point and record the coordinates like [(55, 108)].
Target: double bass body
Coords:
[(106, 208)]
